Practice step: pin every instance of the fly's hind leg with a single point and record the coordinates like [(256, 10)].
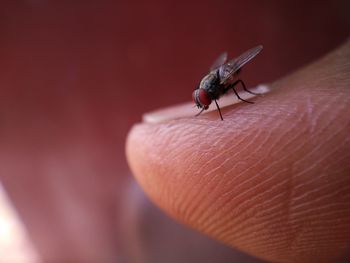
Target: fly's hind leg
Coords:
[(245, 88), (232, 86)]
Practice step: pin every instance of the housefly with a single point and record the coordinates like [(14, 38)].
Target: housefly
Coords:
[(221, 78)]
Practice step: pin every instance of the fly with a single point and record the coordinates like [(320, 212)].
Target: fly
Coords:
[(222, 78)]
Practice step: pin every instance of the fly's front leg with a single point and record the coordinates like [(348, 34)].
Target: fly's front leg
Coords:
[(232, 86), (217, 106), (199, 113)]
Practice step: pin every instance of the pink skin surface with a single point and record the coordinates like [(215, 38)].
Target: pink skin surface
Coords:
[(75, 76)]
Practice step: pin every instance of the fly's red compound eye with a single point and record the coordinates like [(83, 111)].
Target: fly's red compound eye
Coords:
[(204, 98)]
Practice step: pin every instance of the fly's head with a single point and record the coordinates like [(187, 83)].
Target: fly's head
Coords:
[(201, 98)]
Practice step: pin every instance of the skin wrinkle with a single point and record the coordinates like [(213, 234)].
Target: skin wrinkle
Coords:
[(227, 150), (316, 216), (272, 253), (310, 112), (322, 197), (176, 203), (279, 246), (326, 109), (177, 208), (243, 219), (313, 151), (158, 160), (269, 237), (268, 211), (244, 234), (307, 232), (250, 178), (238, 223), (214, 189), (174, 140), (182, 206), (273, 212), (325, 127), (325, 209), (310, 168), (314, 119), (267, 240), (271, 148), (300, 198), (314, 245), (242, 182), (343, 157), (235, 229), (257, 197), (189, 209), (268, 247), (154, 156), (201, 156), (208, 184), (307, 194), (208, 175), (188, 188), (222, 145), (312, 215)]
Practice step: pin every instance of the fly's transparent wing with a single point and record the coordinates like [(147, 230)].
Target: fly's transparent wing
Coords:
[(226, 71), (219, 61)]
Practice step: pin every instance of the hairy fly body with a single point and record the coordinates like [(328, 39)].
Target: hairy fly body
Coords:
[(222, 78)]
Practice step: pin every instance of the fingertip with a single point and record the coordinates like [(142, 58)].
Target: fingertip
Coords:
[(269, 179)]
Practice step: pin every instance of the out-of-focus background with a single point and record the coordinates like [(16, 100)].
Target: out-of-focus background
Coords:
[(76, 75)]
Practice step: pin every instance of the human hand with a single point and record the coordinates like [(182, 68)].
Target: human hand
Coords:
[(272, 179)]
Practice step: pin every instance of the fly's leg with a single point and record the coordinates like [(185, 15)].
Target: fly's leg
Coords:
[(240, 97), (244, 87), (199, 112), (232, 86), (217, 105)]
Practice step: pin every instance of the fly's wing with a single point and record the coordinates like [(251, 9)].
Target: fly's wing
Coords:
[(219, 61), (226, 71)]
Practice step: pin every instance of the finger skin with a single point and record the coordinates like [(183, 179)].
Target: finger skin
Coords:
[(272, 179)]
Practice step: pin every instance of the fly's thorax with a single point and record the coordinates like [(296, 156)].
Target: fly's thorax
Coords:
[(208, 81), (211, 84)]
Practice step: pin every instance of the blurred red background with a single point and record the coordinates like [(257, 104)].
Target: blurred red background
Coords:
[(75, 76)]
